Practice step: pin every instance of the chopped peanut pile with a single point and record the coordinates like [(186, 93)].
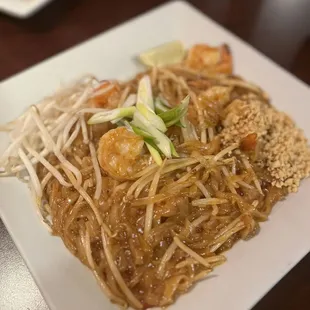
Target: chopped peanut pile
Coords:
[(286, 151), (283, 147), (245, 116)]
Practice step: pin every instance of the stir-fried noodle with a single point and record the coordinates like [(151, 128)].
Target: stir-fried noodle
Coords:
[(148, 232)]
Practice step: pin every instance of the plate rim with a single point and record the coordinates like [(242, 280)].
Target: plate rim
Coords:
[(22, 9), (113, 29)]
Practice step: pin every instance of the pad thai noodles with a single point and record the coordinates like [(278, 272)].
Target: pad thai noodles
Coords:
[(148, 182)]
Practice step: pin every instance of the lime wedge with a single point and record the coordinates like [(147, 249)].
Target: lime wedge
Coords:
[(162, 55)]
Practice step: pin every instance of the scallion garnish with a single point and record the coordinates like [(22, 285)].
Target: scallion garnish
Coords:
[(174, 115), (160, 107), (111, 115), (161, 140), (154, 152), (149, 119)]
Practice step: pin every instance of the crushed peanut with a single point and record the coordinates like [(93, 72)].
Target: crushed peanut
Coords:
[(244, 117), (284, 150)]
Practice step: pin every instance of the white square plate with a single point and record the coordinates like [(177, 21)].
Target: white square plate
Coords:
[(253, 267), (21, 8)]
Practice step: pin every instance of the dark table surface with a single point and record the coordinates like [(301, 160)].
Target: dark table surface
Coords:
[(278, 28)]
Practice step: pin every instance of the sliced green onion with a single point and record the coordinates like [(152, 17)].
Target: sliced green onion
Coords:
[(138, 131), (145, 95), (160, 107), (155, 154), (173, 150), (145, 103), (117, 121), (148, 139), (154, 119), (111, 115), (126, 124), (161, 140), (180, 124), (174, 115), (183, 121)]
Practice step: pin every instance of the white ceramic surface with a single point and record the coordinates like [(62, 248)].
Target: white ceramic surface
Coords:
[(21, 8), (253, 267)]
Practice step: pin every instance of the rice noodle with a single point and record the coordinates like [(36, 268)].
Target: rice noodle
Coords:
[(84, 194), (119, 279), (203, 133), (202, 275), (170, 166), (255, 180), (198, 221), (78, 159), (46, 179), (190, 252), (173, 246), (210, 133), (225, 151), (255, 203), (215, 210), (191, 261), (166, 257), (243, 84), (88, 248), (218, 243), (149, 207), (194, 73), (203, 189), (186, 262), (107, 291), (150, 234), (174, 284), (97, 171), (119, 187), (84, 129), (233, 167), (230, 185), (246, 185), (208, 202)]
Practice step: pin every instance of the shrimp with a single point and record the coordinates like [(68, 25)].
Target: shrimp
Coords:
[(121, 153), (107, 95), (210, 59)]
